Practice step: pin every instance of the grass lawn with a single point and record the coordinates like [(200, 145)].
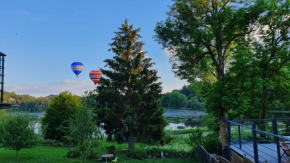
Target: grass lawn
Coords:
[(52, 154), (44, 153)]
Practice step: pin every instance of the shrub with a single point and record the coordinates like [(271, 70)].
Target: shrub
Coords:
[(166, 139), (212, 144), (92, 155), (173, 153), (73, 154), (140, 155), (111, 149)]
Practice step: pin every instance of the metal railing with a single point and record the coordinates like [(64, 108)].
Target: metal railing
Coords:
[(259, 139)]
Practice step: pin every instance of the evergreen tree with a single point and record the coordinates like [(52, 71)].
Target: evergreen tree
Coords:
[(128, 96)]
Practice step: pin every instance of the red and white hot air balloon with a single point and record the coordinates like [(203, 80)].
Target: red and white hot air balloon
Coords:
[(95, 76)]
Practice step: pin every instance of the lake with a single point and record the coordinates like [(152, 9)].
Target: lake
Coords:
[(175, 116), (181, 117)]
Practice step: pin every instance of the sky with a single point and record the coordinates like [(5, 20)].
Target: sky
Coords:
[(42, 38)]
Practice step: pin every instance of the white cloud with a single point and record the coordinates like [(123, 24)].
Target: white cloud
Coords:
[(45, 89), (166, 52)]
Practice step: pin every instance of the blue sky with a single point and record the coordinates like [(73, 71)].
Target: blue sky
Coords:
[(42, 39)]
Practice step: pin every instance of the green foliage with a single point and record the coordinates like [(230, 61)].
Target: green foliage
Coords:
[(211, 142), (201, 36), (195, 139), (111, 149), (176, 151), (173, 99), (168, 153), (259, 77), (17, 132), (27, 102), (177, 99), (73, 154), (56, 119), (166, 139), (140, 155), (83, 131), (129, 92), (211, 122)]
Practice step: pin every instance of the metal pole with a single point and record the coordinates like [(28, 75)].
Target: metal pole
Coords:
[(229, 131), (228, 151), (240, 142), (255, 145), (275, 131), (2, 81)]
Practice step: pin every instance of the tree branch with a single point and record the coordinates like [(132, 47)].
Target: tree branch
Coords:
[(210, 53), (224, 5)]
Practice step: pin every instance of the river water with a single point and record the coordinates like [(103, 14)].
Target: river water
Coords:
[(176, 117)]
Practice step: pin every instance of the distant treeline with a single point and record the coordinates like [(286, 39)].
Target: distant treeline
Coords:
[(183, 98), (27, 102)]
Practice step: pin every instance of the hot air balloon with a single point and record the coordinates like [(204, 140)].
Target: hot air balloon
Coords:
[(95, 76), (77, 68)]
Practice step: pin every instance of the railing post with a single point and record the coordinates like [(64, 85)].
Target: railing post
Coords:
[(239, 131), (228, 148), (229, 131), (255, 145), (275, 131)]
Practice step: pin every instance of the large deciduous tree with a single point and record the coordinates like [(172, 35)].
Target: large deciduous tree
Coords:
[(201, 35), (56, 118), (129, 92), (259, 76)]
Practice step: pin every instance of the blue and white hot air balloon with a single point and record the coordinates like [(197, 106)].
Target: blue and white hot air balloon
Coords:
[(77, 68)]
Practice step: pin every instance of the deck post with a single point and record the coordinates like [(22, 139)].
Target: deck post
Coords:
[(228, 148), (255, 145), (239, 132), (275, 131), (229, 131)]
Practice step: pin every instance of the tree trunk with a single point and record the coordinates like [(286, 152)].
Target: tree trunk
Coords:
[(265, 97), (264, 106), (17, 151), (131, 143), (110, 138), (220, 71)]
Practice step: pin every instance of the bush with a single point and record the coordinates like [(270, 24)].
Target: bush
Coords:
[(212, 144), (166, 139), (111, 149), (73, 154), (156, 152), (140, 155), (92, 155)]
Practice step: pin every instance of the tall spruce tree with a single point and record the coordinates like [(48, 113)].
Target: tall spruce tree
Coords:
[(129, 92)]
